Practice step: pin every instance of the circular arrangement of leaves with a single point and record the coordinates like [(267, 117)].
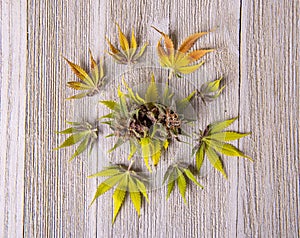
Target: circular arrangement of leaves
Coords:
[(150, 119)]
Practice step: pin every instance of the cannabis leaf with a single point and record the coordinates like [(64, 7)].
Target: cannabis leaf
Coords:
[(180, 61), (90, 84), (179, 173), (125, 180), (128, 53), (213, 141), (210, 90), (84, 133)]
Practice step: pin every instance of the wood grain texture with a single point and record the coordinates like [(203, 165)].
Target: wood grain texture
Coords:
[(257, 42)]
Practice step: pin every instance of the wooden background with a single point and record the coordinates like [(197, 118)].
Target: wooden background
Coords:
[(257, 42)]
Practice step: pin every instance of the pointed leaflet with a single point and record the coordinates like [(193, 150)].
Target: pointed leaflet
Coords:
[(82, 74), (145, 144), (123, 40), (197, 54), (181, 183), (107, 185), (190, 69), (133, 149), (68, 131), (152, 92), (168, 42), (191, 177), (119, 196), (141, 186), (77, 96), (113, 49), (226, 149), (110, 104), (82, 147), (78, 85), (200, 156), (118, 143), (133, 44), (190, 41), (94, 67), (73, 139), (156, 152), (135, 195), (109, 171), (171, 182), (227, 136), (219, 126), (215, 161)]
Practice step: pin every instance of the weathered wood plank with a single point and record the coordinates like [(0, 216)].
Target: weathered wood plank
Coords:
[(13, 43), (268, 201)]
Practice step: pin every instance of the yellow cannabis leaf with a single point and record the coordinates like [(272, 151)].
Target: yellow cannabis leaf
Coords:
[(125, 180), (128, 54), (84, 133), (89, 84), (213, 141), (181, 60), (210, 91), (179, 173)]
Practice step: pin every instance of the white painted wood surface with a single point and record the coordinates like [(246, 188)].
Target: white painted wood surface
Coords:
[(257, 42)]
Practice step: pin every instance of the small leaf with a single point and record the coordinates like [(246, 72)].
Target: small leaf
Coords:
[(141, 186), (118, 143), (82, 147), (219, 126), (190, 175), (152, 92), (145, 144), (78, 85), (73, 139), (190, 41), (119, 196), (181, 182), (106, 172), (81, 73), (215, 161), (110, 104), (135, 195), (171, 182), (227, 149), (200, 156), (227, 136), (133, 149), (156, 152), (190, 69), (68, 131), (107, 185), (123, 40)]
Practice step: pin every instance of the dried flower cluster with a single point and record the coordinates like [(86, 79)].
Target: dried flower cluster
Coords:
[(150, 121)]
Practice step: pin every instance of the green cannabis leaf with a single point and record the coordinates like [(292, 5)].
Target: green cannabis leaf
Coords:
[(84, 133), (210, 90), (125, 180), (179, 173), (148, 122), (128, 53), (90, 84), (181, 60), (213, 141)]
